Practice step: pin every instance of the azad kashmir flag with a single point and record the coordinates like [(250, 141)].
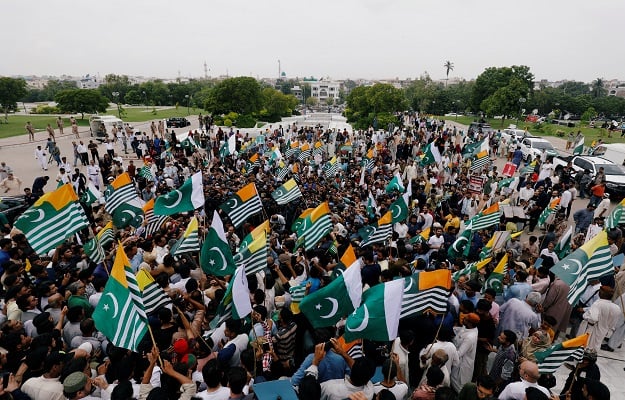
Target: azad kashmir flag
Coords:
[(488, 247), (91, 195), (122, 201), (54, 217), (426, 291), (472, 149), (314, 226), (578, 147), (146, 173), (550, 209), (216, 257), (299, 224), (431, 155), (377, 318), (379, 232), (563, 247), (286, 193), (120, 314), (495, 279), (282, 171), (253, 250), (368, 162), (305, 152), (590, 261), (347, 259), (331, 168), (326, 306), (252, 162), (154, 297), (242, 205), (480, 161), (399, 209), (94, 248), (152, 223), (317, 148), (470, 269), (616, 217), (292, 150), (395, 184), (189, 242), (570, 350), (487, 218), (186, 198), (422, 237), (236, 303)]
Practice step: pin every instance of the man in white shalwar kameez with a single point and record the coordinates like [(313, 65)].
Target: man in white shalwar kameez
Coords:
[(466, 342), (601, 318)]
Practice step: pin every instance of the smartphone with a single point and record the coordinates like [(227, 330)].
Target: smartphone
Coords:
[(266, 347)]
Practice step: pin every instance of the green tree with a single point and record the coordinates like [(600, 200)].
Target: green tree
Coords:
[(312, 101), (364, 103), (277, 104), (133, 96), (241, 94), (507, 100), (11, 91), (598, 88), (449, 66), (115, 84), (81, 101), (492, 79)]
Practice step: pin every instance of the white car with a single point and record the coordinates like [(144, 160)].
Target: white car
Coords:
[(532, 147), (518, 134)]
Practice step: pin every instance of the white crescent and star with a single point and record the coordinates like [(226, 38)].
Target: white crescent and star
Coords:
[(234, 204), (114, 300), (407, 288), (398, 212), (363, 324), (455, 245), (566, 267), (40, 217), (178, 200), (221, 254), (335, 308)]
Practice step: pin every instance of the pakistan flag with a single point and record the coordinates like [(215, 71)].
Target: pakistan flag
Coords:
[(328, 305), (216, 257)]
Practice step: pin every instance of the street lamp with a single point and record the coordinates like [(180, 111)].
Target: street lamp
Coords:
[(145, 97), (116, 96), (522, 101), (186, 96)]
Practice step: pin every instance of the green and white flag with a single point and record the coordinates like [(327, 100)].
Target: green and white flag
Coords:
[(287, 192), (187, 198), (470, 269), (216, 256), (377, 319), (431, 155), (282, 171), (495, 279), (252, 255), (616, 217), (426, 291), (487, 218), (550, 209), (236, 303), (189, 242), (399, 209), (473, 149), (331, 168), (154, 297), (120, 314), (146, 173), (119, 192), (570, 350), (372, 206), (462, 244), (480, 161), (91, 195), (563, 247), (380, 231), (578, 147), (94, 251), (505, 182), (314, 226), (326, 306), (54, 217), (243, 204), (590, 261), (395, 184)]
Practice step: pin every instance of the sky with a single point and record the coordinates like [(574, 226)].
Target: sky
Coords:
[(339, 39)]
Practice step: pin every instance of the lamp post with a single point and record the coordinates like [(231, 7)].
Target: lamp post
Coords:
[(145, 97), (186, 96), (116, 96), (522, 101)]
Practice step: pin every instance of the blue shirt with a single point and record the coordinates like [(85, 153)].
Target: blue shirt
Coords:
[(332, 366), (518, 290)]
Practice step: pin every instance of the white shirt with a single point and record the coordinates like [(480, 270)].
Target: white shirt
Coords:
[(222, 393), (526, 193), (566, 198), (516, 390)]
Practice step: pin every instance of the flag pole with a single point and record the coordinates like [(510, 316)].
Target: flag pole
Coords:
[(184, 318), (154, 342), (436, 336)]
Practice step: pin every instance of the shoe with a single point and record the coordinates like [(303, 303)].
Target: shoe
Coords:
[(606, 348)]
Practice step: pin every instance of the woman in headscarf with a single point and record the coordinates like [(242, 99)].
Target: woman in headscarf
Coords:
[(538, 341)]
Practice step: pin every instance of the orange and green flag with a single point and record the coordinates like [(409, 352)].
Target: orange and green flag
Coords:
[(314, 226), (54, 217), (426, 291), (243, 205), (569, 350), (378, 232)]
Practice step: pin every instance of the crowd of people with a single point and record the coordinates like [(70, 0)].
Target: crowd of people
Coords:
[(484, 345)]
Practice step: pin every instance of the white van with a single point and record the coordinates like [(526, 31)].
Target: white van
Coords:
[(101, 125), (614, 152)]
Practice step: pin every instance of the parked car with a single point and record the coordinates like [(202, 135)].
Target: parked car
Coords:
[(178, 122), (484, 128), (614, 173), (532, 147), (12, 207), (518, 134)]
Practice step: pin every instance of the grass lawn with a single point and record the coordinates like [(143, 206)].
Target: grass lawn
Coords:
[(16, 124), (546, 129)]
